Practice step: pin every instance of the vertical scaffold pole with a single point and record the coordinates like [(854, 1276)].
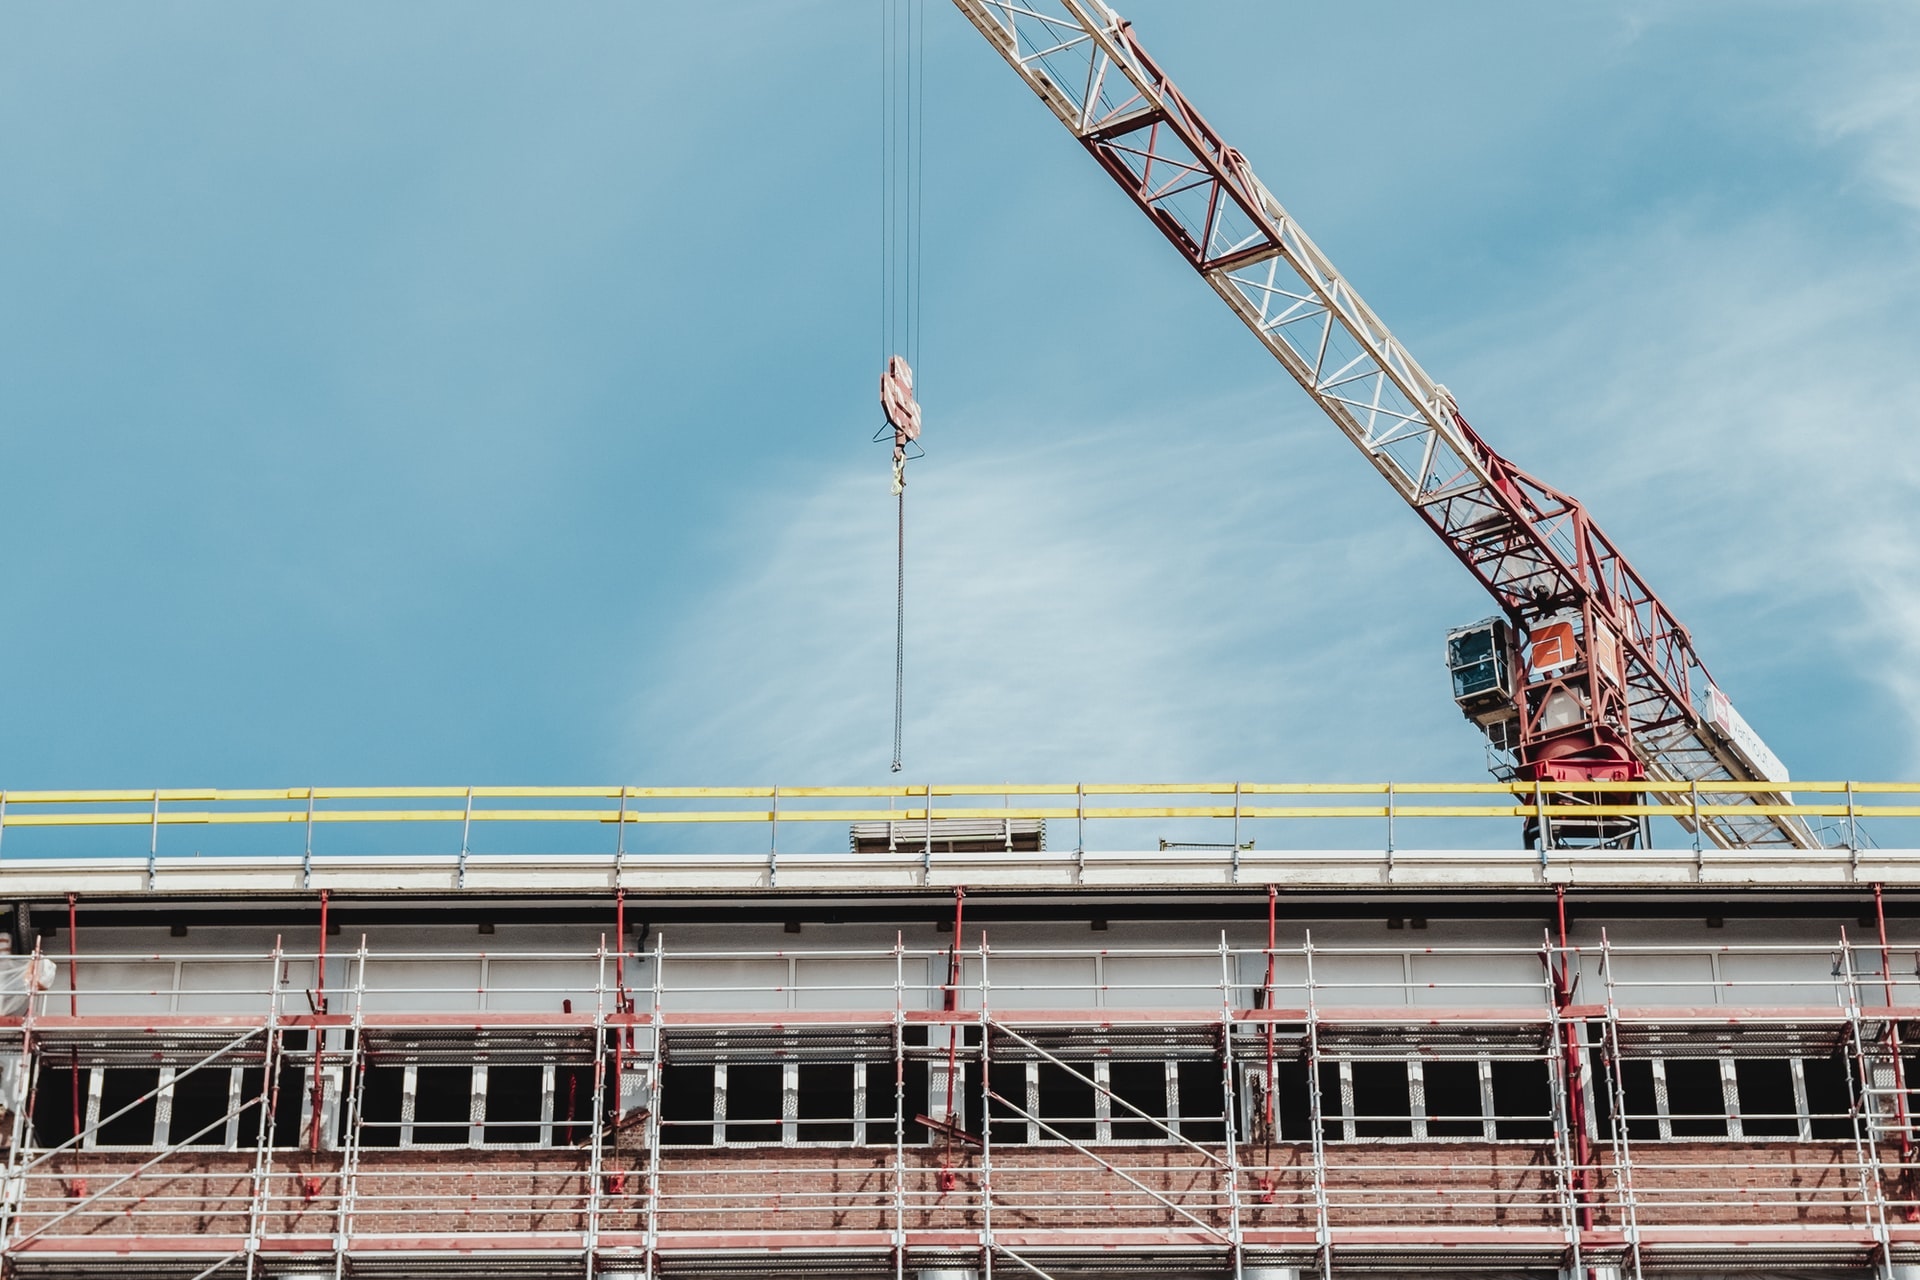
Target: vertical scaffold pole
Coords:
[(653, 1105), (622, 1004), (1266, 1001), (319, 1003), (1866, 1121), (1616, 1084), (1540, 821), (620, 842), (466, 833), (1568, 1170), (1565, 976), (353, 1084), (21, 1103), (1389, 829), (1322, 1226), (1853, 828), (985, 1023), (899, 1106), (1893, 1036), (1227, 1096), (597, 1127), (73, 998), (269, 1103), (306, 857), (153, 845)]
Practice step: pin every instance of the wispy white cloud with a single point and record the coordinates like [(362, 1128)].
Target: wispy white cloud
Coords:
[(1156, 599), (1870, 101)]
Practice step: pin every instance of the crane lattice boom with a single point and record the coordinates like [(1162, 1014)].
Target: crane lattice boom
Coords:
[(1641, 702)]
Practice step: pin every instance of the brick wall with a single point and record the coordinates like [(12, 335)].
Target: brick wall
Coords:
[(416, 1192)]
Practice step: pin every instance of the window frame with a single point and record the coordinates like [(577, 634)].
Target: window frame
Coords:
[(93, 1110), (1340, 1121), (1663, 1117), (548, 1122)]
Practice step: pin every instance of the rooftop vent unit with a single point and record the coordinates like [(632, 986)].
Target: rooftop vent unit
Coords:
[(950, 835)]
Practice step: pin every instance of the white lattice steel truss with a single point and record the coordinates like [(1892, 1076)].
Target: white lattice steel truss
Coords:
[(1533, 547)]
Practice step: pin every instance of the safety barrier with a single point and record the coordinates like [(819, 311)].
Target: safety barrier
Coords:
[(1204, 814)]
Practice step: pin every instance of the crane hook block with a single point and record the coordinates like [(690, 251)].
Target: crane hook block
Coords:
[(896, 399), (903, 415)]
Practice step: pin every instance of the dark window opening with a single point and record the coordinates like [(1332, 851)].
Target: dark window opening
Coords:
[(119, 1086), (686, 1105), (1830, 1093), (1066, 1102), (292, 1103), (825, 1104), (382, 1090), (880, 1101), (513, 1104), (753, 1102), (290, 1108), (1522, 1101), (442, 1105), (200, 1106), (1765, 1089), (1695, 1101), (1332, 1108), (1642, 1107), (1292, 1102), (55, 1102), (1008, 1083), (573, 1105), (1144, 1084), (1382, 1100), (1453, 1100), (1203, 1109)]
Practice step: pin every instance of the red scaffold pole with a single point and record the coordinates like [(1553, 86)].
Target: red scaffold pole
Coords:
[(317, 1094), (1576, 1093), (1893, 1042)]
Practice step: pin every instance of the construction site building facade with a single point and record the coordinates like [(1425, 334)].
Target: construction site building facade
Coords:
[(960, 1056)]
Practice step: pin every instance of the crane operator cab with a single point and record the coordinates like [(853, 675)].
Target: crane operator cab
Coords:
[(1482, 659)]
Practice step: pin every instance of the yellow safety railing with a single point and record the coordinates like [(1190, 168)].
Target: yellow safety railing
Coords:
[(1251, 801)]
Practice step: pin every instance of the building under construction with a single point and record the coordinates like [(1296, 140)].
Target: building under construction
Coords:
[(1245, 1030), (1016, 1033)]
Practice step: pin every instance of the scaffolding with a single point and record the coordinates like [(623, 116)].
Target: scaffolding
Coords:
[(984, 1109)]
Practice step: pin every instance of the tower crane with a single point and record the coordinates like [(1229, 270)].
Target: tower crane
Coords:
[(1584, 676)]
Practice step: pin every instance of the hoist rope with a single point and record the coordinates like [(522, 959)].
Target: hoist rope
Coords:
[(899, 625), (902, 128)]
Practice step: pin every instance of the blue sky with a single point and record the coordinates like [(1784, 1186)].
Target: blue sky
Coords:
[(451, 393)]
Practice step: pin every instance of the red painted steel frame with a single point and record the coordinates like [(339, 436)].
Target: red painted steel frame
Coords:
[(1535, 549)]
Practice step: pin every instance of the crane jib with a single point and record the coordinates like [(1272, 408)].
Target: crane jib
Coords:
[(1639, 689)]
